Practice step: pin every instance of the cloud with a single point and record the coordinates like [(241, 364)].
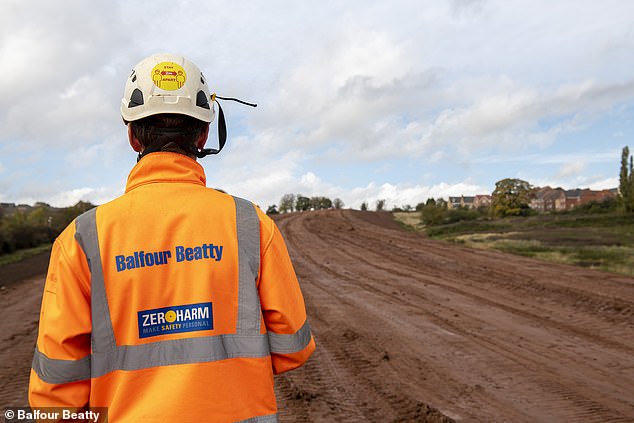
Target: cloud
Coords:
[(570, 169), (372, 107), (451, 86), (461, 8), (99, 195), (406, 194), (594, 182), (599, 183)]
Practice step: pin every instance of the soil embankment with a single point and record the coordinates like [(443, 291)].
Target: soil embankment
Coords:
[(404, 323)]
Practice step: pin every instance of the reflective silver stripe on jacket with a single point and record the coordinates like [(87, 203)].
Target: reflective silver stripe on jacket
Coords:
[(288, 344), (107, 356), (271, 418), (88, 239), (248, 232), (60, 371)]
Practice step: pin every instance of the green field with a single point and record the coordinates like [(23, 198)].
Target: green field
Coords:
[(20, 255), (596, 241)]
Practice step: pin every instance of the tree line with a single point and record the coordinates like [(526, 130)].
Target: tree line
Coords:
[(27, 227), (511, 197), (298, 202)]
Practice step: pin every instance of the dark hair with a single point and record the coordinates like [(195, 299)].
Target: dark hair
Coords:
[(169, 132)]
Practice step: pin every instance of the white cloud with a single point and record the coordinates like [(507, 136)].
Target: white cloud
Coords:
[(98, 195), (457, 86), (570, 169), (594, 182), (600, 183), (94, 195), (406, 194)]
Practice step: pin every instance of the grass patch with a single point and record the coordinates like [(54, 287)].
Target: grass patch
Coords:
[(409, 221), (597, 241), (23, 254)]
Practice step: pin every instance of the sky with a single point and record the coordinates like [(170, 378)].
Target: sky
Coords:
[(357, 100)]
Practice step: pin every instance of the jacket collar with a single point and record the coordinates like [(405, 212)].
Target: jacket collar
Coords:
[(165, 167)]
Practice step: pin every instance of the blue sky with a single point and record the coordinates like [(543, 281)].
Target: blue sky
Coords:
[(359, 100)]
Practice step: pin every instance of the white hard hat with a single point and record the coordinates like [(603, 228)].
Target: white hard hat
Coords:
[(166, 83)]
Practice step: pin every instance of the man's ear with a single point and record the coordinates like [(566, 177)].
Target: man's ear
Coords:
[(133, 140), (202, 138)]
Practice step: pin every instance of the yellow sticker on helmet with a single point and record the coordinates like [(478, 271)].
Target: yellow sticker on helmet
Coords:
[(168, 76)]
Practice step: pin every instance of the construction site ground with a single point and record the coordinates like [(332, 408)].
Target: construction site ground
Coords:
[(411, 329)]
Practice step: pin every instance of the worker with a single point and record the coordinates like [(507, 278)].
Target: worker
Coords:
[(173, 302)]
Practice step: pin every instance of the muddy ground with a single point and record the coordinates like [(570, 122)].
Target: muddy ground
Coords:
[(410, 329)]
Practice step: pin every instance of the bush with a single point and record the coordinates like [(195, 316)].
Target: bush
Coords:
[(36, 226)]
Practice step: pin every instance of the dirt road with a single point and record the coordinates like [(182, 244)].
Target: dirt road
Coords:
[(410, 329), (403, 323)]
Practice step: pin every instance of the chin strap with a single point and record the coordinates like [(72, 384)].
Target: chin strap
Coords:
[(222, 126)]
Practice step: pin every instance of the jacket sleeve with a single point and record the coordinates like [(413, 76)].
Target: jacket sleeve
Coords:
[(60, 373), (283, 306)]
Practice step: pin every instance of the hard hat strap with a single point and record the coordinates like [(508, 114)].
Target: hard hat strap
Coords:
[(235, 99), (222, 136), (222, 126), (166, 135)]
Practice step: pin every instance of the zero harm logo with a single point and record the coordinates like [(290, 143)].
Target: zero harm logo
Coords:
[(175, 319)]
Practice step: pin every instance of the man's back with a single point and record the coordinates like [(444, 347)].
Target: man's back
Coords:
[(174, 302), (185, 283)]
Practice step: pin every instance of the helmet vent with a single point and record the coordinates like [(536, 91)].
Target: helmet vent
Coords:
[(134, 78), (136, 99), (202, 100)]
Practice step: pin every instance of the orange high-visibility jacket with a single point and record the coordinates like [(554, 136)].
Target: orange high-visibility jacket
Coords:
[(174, 302)]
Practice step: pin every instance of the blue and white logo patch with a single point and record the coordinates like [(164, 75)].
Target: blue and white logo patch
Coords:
[(175, 319)]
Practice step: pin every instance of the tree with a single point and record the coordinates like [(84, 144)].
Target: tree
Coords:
[(432, 214), (320, 203), (272, 210), (337, 204), (626, 181), (511, 197), (364, 206), (380, 205), (287, 203), (302, 203), (441, 202)]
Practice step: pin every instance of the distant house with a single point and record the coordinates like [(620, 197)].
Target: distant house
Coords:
[(462, 201), (453, 202), (573, 198), (537, 202), (555, 200), (549, 199), (588, 196), (482, 201)]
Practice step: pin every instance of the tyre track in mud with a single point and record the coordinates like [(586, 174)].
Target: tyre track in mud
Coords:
[(349, 359), (481, 336), (20, 303)]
